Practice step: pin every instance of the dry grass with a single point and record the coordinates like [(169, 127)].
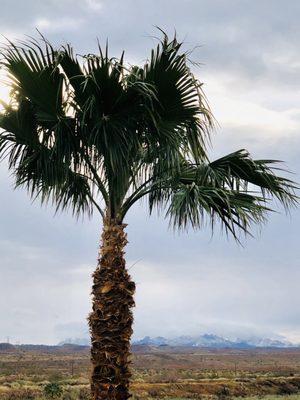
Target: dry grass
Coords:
[(289, 397), (159, 374)]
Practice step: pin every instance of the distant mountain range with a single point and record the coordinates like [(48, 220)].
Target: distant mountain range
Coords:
[(62, 349), (210, 340), (205, 340), (76, 341)]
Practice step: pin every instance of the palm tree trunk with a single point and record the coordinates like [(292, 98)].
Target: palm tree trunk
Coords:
[(111, 319)]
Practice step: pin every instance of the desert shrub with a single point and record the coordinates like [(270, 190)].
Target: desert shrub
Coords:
[(223, 393), (135, 397), (54, 377), (165, 376), (213, 375), (21, 394), (153, 392), (84, 394), (53, 390), (37, 378), (287, 388), (70, 394)]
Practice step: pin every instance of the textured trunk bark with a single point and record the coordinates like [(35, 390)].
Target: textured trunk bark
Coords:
[(111, 319)]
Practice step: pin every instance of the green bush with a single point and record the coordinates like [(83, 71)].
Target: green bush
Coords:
[(53, 390)]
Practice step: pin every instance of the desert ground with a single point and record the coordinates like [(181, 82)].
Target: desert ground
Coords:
[(62, 372)]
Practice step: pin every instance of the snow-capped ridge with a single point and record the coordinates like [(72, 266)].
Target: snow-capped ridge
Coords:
[(211, 340)]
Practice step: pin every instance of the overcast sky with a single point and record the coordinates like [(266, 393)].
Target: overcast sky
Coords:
[(188, 283)]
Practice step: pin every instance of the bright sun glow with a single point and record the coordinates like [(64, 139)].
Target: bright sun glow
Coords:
[(4, 90)]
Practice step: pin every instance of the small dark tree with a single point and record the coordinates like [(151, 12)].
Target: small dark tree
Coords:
[(89, 133)]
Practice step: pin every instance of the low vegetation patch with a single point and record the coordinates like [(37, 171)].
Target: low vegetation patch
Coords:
[(171, 374)]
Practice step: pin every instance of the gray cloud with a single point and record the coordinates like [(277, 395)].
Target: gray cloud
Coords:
[(251, 66)]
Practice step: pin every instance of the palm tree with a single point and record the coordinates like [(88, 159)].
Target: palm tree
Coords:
[(90, 134)]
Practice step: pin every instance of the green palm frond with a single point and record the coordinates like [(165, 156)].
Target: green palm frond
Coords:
[(34, 75), (43, 176), (42, 142), (234, 189), (193, 205), (183, 116), (20, 125), (74, 193), (74, 75), (237, 170)]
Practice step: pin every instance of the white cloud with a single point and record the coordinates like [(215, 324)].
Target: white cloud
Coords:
[(64, 24), (236, 298), (94, 5), (251, 107)]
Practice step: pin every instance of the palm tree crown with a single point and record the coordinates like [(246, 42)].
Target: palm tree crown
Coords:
[(89, 132)]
